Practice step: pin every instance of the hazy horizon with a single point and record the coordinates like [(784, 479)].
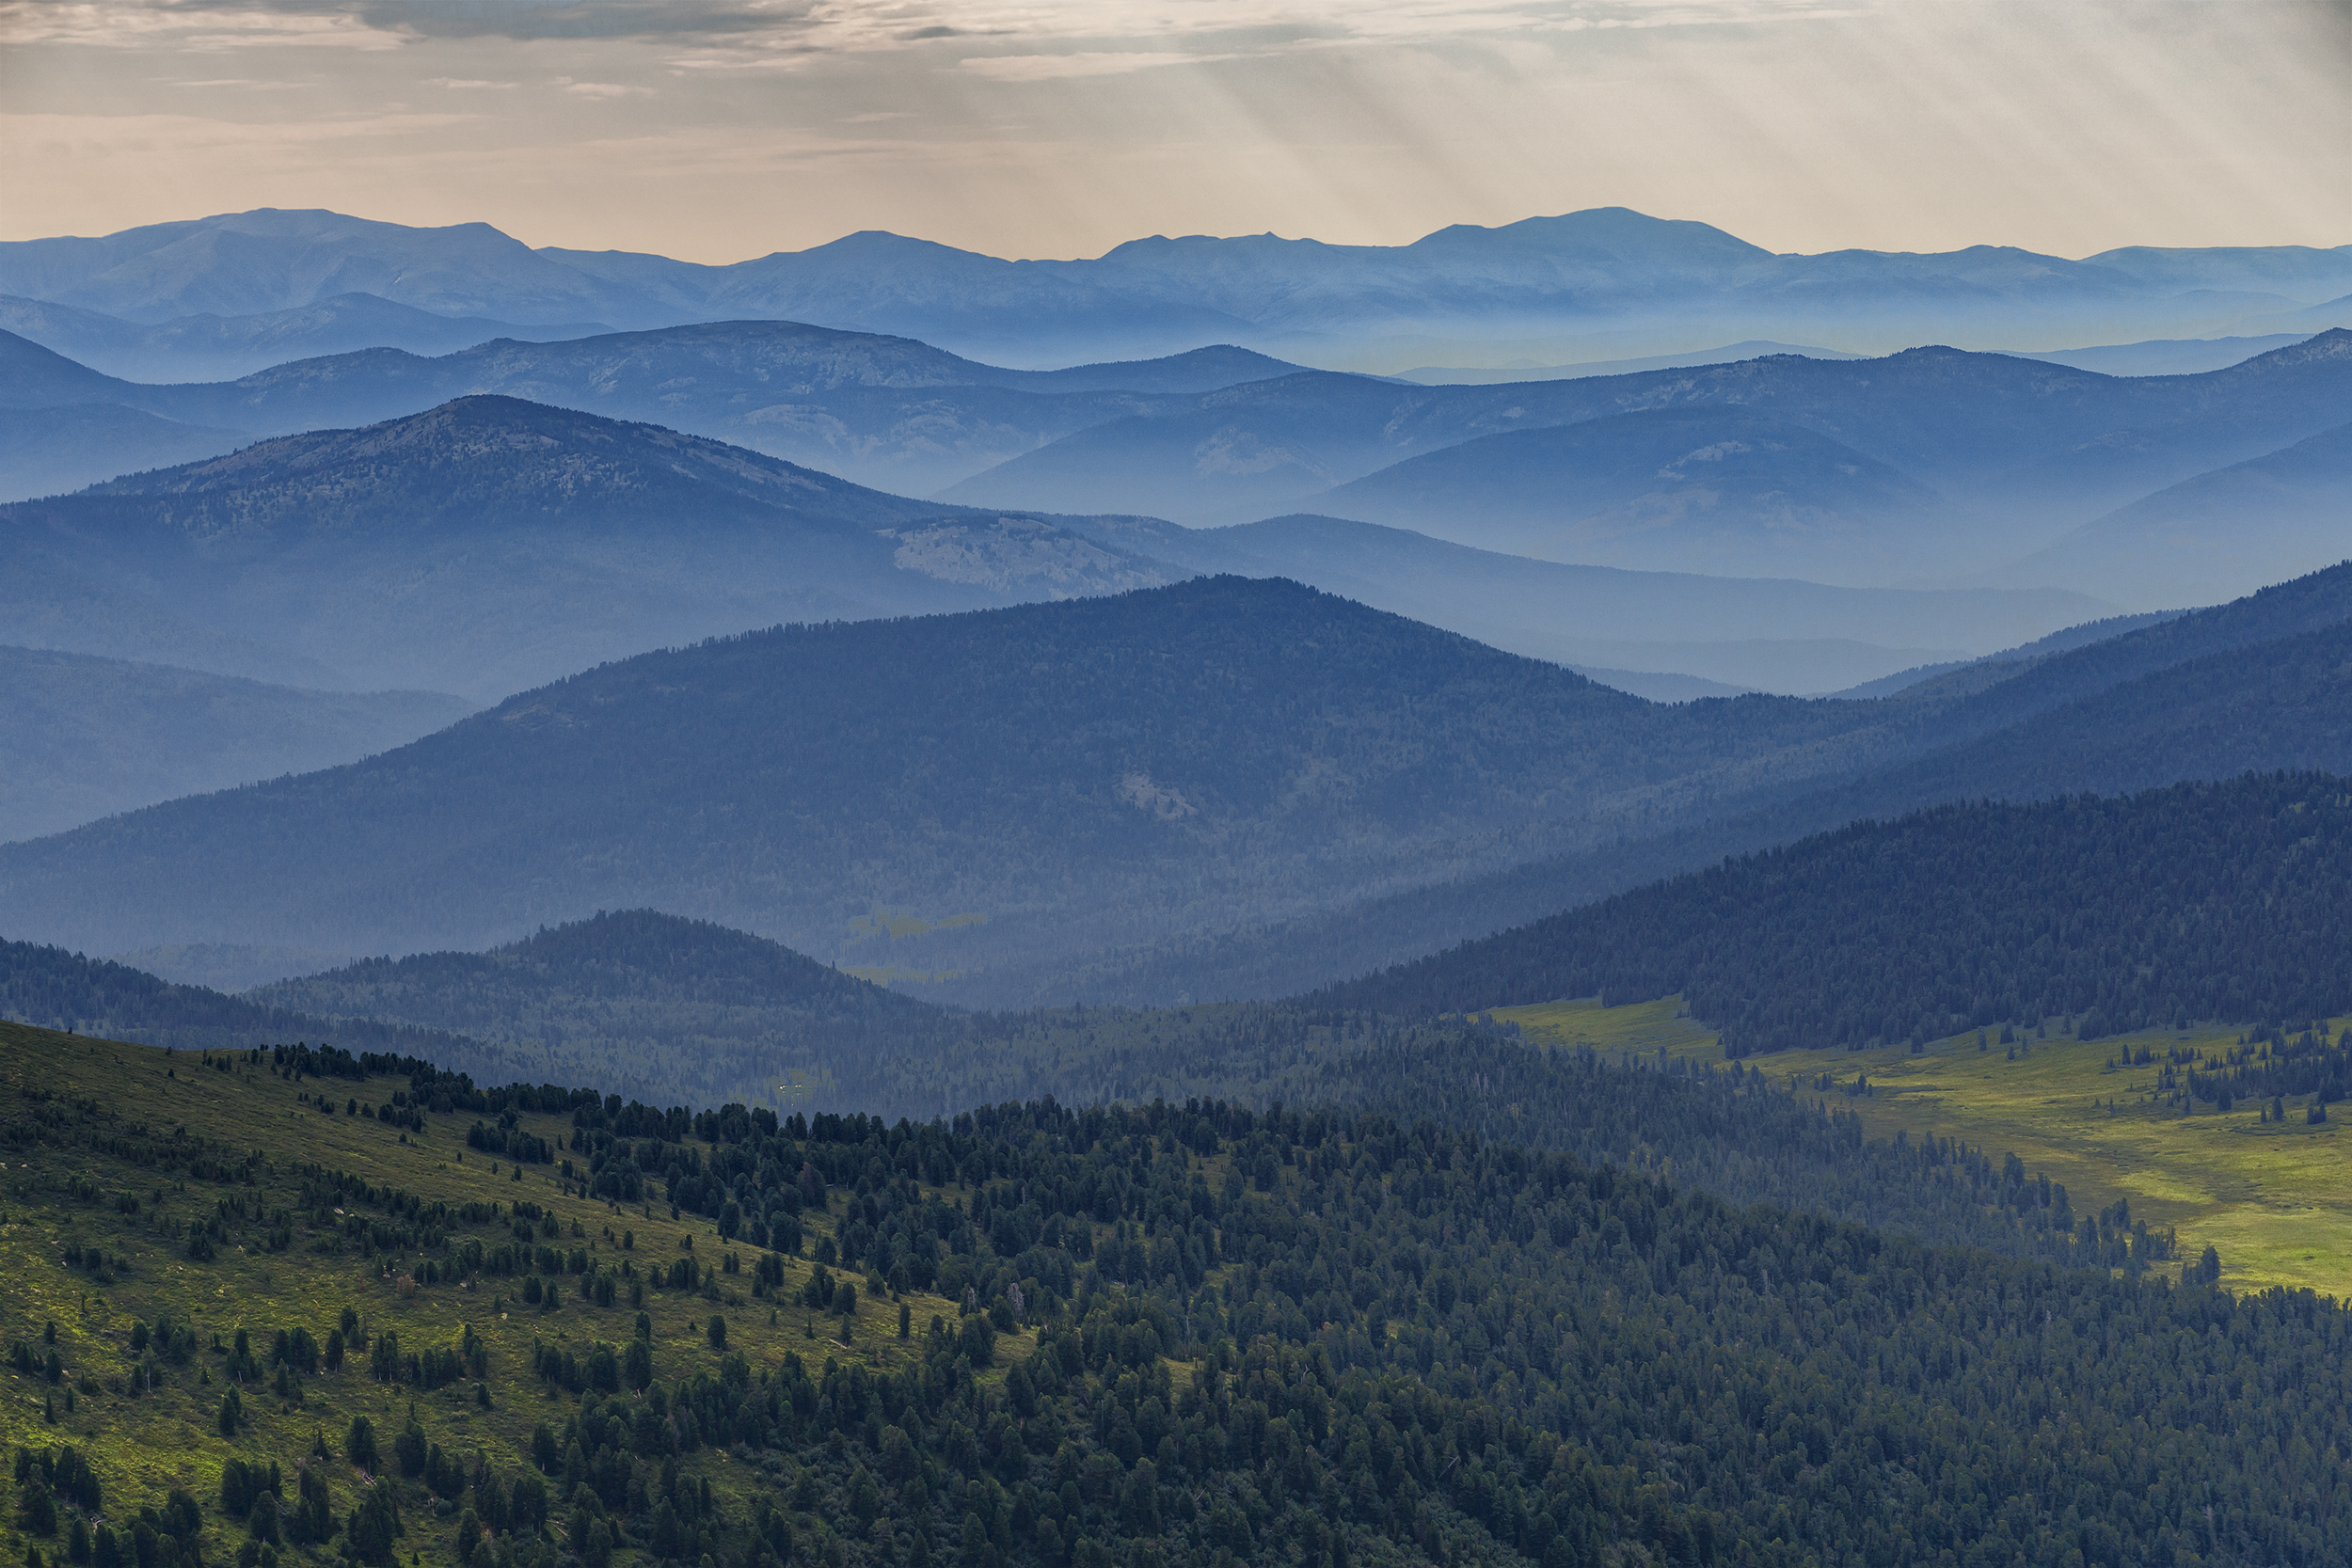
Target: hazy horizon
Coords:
[(714, 132)]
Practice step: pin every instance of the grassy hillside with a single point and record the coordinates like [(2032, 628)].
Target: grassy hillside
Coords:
[(2269, 1195), (81, 738), (121, 1154)]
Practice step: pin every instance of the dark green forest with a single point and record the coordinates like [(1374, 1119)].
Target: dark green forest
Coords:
[(2201, 901)]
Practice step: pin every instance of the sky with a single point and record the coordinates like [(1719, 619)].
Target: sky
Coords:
[(716, 130)]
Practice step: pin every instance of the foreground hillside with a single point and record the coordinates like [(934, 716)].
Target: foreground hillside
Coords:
[(391, 1315)]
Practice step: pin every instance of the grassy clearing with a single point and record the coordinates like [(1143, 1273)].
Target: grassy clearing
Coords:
[(2275, 1200), (142, 1445)]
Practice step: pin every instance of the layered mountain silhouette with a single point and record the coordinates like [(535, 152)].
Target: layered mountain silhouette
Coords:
[(1603, 275), (1083, 785), (2017, 450), (209, 346), (1186, 754), (491, 543), (1773, 634), (1724, 491), (880, 410)]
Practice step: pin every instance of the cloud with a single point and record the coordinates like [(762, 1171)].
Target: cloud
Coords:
[(460, 82), (605, 89), (1047, 67)]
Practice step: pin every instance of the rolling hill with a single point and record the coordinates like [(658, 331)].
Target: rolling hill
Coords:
[(491, 543), (648, 1002), (1759, 634), (886, 411), (81, 738)]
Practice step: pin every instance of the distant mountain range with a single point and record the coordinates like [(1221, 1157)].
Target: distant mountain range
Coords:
[(1928, 466), (1921, 464), (1606, 275), (210, 347), (882, 411), (492, 544)]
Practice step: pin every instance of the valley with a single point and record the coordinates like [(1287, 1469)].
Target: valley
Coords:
[(2268, 1196)]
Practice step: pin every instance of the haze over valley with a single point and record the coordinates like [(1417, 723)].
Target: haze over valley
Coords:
[(810, 786)]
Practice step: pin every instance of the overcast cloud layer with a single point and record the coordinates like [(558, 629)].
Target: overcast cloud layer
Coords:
[(715, 129)]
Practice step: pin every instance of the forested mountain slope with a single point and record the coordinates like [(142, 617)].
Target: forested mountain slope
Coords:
[(2258, 683), (491, 543), (81, 738), (1223, 1335), (56, 990), (2208, 901)]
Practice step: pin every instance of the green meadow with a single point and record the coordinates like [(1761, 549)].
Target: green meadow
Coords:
[(2274, 1198), (143, 1442)]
